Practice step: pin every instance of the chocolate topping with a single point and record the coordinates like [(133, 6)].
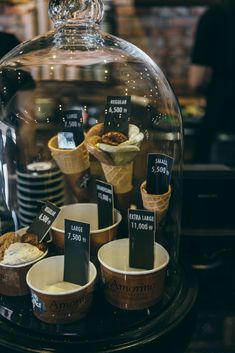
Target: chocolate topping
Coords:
[(114, 138)]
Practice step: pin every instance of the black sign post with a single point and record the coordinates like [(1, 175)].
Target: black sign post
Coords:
[(142, 225), (158, 173), (105, 204), (43, 222), (76, 252), (118, 111), (72, 133)]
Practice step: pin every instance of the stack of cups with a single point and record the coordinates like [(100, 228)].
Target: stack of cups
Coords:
[(41, 182)]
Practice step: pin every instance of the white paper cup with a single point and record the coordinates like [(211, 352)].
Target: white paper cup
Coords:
[(130, 288), (63, 307)]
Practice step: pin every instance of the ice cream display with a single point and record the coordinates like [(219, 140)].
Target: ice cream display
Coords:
[(97, 108), (116, 153)]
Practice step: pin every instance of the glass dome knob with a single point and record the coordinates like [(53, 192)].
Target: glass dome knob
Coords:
[(76, 11)]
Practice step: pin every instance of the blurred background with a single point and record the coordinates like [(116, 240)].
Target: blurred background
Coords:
[(164, 29)]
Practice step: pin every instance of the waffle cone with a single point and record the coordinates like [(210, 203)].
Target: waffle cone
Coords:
[(156, 203), (69, 161), (119, 176)]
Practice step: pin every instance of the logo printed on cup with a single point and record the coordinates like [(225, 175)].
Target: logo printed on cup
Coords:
[(132, 291), (38, 304), (67, 306)]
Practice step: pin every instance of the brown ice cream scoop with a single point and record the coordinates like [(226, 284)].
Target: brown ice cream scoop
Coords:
[(29, 238), (13, 237), (92, 138), (6, 240), (33, 240), (114, 138)]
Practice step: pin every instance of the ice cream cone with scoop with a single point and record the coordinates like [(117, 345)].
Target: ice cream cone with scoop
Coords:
[(116, 153)]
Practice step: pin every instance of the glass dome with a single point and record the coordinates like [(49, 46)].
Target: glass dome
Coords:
[(77, 70)]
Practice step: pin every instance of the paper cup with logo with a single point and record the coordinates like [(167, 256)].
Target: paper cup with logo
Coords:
[(129, 288), (58, 307), (87, 213), (13, 277)]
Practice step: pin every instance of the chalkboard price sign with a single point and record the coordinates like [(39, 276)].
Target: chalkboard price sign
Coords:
[(43, 222), (105, 204), (142, 225), (158, 173), (118, 111), (72, 133), (76, 252)]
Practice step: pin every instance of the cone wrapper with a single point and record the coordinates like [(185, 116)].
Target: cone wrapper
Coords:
[(69, 161), (156, 203), (90, 142), (121, 154), (119, 176)]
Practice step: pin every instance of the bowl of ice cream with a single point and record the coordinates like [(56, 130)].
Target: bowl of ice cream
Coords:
[(18, 252), (53, 299)]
